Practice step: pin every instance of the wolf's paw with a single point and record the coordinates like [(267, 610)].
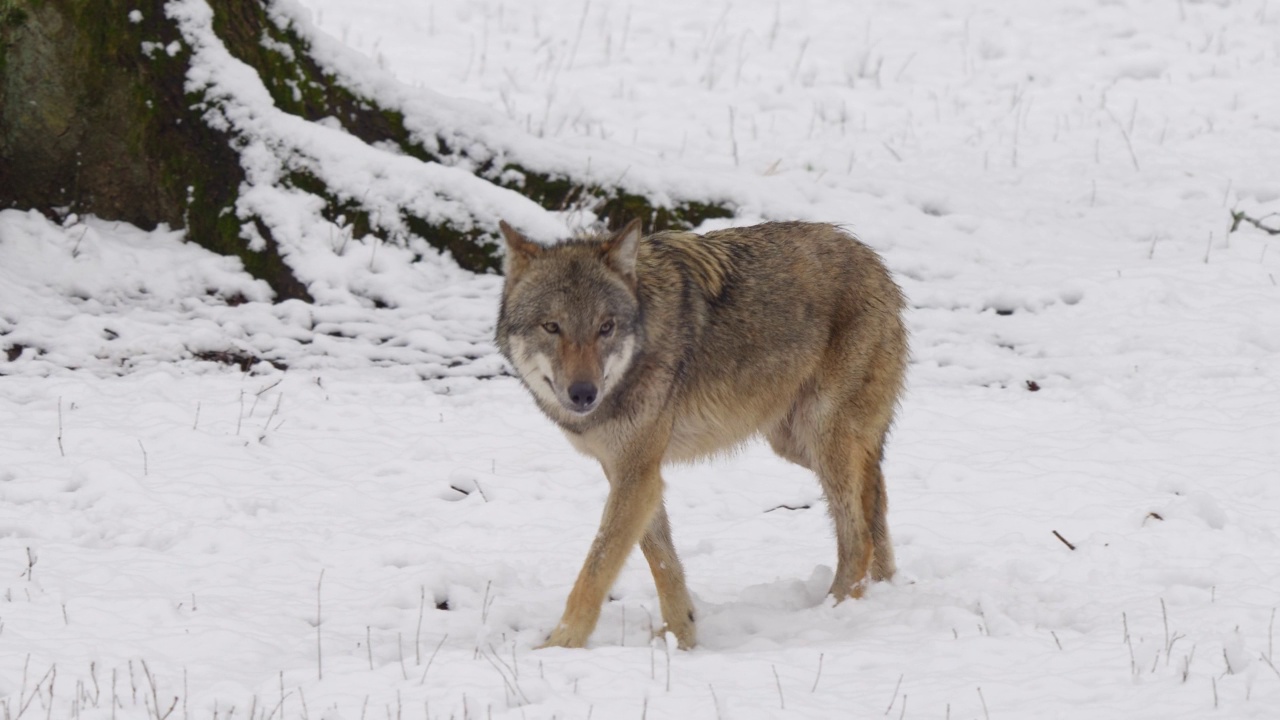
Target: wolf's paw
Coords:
[(855, 592), (565, 637), (685, 631)]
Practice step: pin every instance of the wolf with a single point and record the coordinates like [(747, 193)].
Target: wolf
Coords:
[(673, 347)]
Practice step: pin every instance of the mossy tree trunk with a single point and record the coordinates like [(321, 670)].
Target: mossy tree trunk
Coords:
[(96, 118)]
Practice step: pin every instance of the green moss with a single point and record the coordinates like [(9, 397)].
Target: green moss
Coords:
[(682, 216), (12, 16), (346, 213), (473, 250), (194, 167), (125, 141), (614, 206), (298, 85), (212, 222)]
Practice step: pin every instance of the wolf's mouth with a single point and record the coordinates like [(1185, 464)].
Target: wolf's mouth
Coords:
[(580, 411)]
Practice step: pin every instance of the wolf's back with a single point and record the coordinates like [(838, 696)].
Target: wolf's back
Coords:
[(749, 316)]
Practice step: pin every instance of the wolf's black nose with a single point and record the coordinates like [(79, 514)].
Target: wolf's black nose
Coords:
[(582, 395)]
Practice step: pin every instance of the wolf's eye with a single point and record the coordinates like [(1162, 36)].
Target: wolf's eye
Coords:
[(553, 328), (606, 329)]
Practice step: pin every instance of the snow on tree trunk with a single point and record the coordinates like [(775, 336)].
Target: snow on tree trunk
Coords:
[(265, 139)]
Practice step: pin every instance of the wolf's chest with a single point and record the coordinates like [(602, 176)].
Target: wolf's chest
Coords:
[(706, 427)]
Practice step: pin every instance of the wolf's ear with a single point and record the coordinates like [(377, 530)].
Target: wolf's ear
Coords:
[(520, 249), (622, 247)]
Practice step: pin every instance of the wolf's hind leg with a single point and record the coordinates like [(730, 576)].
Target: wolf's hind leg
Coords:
[(843, 474), (875, 507), (668, 575)]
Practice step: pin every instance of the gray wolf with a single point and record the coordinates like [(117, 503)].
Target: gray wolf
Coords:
[(673, 347)]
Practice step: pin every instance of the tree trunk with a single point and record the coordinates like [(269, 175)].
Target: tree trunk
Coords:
[(99, 115)]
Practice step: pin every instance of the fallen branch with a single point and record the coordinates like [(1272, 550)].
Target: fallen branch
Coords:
[(1239, 216)]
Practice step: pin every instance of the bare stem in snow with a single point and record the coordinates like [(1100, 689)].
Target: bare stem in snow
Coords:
[(60, 450), (894, 699), (653, 650), (1127, 142), (818, 675), (265, 389), (511, 683), (267, 425), (431, 659), (1164, 614), (155, 695), (795, 69), (1017, 131), (669, 639), (1133, 661), (145, 470), (1270, 630), (319, 649), (417, 634), (486, 603), (23, 704), (781, 700), (400, 645), (582, 22), (985, 714), (1271, 665), (279, 705), (733, 137)]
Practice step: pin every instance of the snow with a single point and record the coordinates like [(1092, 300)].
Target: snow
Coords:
[(373, 521)]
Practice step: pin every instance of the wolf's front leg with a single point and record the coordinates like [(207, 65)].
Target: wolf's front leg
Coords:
[(635, 494), (668, 575)]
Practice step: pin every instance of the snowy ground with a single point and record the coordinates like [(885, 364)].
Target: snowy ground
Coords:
[(378, 531)]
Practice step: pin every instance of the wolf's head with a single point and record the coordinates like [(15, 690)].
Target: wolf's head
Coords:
[(570, 318)]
